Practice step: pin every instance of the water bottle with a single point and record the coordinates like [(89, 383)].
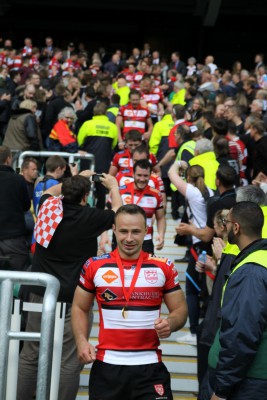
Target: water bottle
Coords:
[(202, 258)]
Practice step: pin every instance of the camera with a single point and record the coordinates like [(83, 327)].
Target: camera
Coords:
[(96, 177)]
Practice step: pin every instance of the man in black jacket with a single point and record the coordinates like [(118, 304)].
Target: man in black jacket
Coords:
[(62, 254), (14, 202)]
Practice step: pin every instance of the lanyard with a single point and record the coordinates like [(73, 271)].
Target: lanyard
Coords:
[(140, 197), (127, 294)]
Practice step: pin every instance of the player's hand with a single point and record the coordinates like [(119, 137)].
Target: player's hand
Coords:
[(162, 327), (104, 241), (160, 242), (121, 145), (86, 353)]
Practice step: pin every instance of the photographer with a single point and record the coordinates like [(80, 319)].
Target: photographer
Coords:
[(62, 255)]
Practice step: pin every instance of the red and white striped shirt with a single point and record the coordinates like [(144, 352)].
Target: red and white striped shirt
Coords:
[(124, 177), (134, 118), (132, 340), (153, 99), (123, 161), (149, 199)]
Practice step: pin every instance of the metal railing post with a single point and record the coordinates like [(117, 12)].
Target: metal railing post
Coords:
[(46, 334)]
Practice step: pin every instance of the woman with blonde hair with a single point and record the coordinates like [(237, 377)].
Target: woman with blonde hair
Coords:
[(196, 194)]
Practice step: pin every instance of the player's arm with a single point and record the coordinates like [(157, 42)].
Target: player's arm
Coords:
[(113, 170), (169, 156), (111, 183), (204, 234), (161, 227), (147, 134), (156, 169), (80, 312), (119, 124), (177, 306)]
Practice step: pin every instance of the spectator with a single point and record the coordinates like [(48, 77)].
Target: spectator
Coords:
[(55, 167), (23, 132), (61, 137), (14, 202), (259, 160), (237, 349), (177, 64), (196, 194), (206, 158), (29, 171), (54, 106), (5, 111), (99, 137)]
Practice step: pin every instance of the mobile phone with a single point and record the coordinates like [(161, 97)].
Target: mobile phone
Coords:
[(96, 177)]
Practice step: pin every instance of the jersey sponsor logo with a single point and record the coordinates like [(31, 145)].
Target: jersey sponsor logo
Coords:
[(149, 295), (127, 200), (108, 295), (162, 259), (122, 187), (109, 276), (127, 180), (151, 276), (135, 113), (150, 200), (159, 389), (124, 162), (102, 257)]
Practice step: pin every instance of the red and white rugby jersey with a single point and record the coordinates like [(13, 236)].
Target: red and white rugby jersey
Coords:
[(53, 65), (124, 177), (134, 118), (70, 64), (34, 62), (157, 81), (138, 76), (27, 51), (16, 63), (6, 61), (132, 340), (129, 76), (153, 98), (123, 160), (149, 199)]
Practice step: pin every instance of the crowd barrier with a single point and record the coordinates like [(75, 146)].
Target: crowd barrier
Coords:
[(50, 335)]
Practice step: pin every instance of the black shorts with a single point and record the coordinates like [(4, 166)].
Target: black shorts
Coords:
[(129, 382)]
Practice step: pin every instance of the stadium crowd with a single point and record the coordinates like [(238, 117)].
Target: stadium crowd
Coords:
[(160, 129)]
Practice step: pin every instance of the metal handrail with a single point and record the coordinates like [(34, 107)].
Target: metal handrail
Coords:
[(71, 156), (7, 281)]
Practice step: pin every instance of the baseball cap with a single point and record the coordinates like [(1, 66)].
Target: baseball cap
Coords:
[(71, 44)]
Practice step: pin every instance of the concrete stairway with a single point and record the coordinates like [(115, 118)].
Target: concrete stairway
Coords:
[(180, 359)]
